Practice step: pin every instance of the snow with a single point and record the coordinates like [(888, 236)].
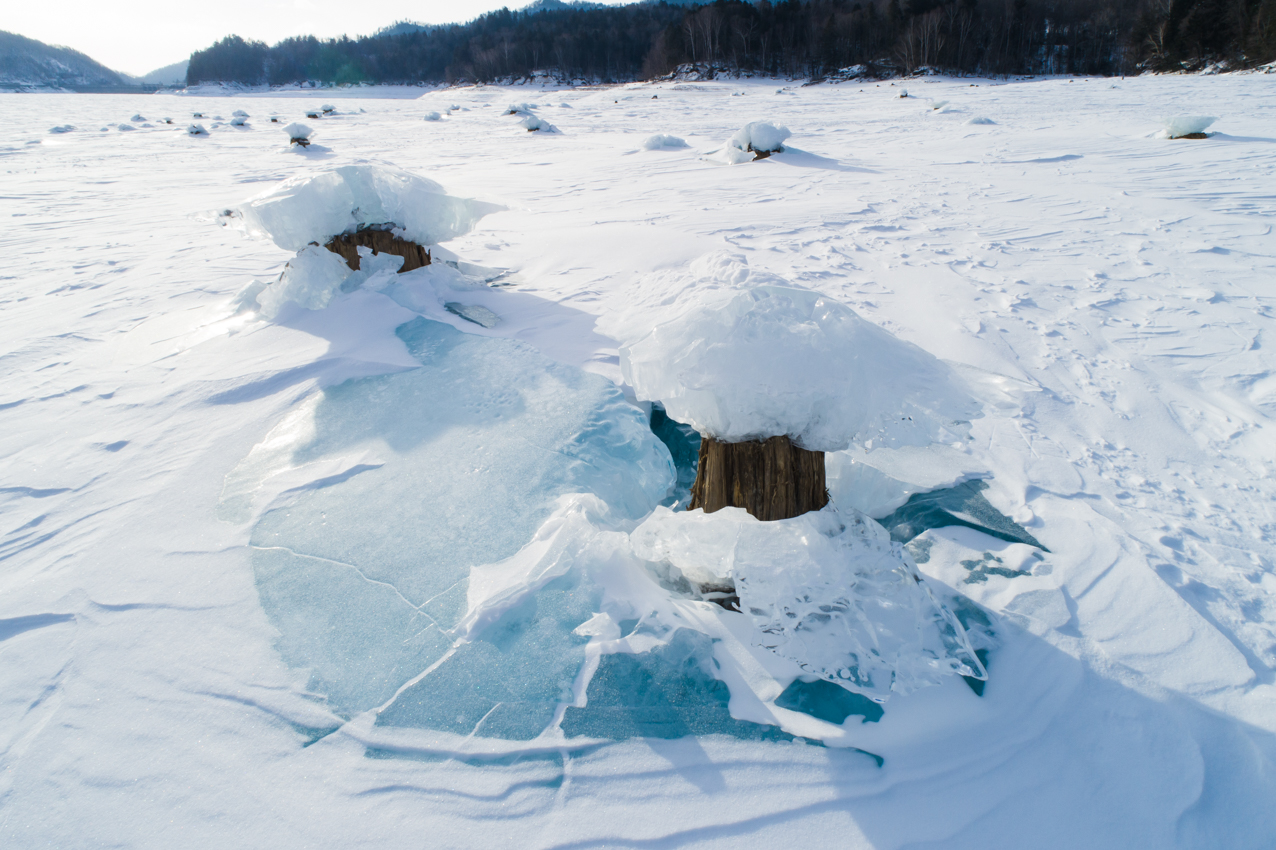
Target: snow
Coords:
[(534, 124), (661, 141), (980, 120), (1184, 125), (759, 136), (743, 356), (314, 207), (298, 132), (195, 130), (433, 116), (197, 595)]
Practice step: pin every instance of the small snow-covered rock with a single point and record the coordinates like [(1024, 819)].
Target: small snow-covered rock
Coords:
[(433, 116), (535, 124), (137, 119), (328, 109), (239, 113), (62, 128), (124, 128), (757, 137), (197, 130)]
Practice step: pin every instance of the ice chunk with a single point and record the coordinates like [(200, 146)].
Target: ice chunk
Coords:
[(475, 313), (662, 142), (320, 205), (1178, 126), (433, 116), (828, 590), (741, 362), (310, 279), (760, 136), (364, 566), (520, 109)]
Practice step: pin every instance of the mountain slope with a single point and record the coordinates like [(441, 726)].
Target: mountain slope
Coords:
[(27, 62)]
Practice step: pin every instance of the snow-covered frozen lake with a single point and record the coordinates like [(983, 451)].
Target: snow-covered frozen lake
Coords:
[(234, 551)]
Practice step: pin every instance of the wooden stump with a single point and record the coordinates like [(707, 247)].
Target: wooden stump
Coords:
[(381, 242), (771, 479)]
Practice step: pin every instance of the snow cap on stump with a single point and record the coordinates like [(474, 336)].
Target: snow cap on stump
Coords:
[(741, 356), (315, 207)]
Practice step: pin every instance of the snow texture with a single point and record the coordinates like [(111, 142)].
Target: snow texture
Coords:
[(734, 354), (536, 124), (315, 207)]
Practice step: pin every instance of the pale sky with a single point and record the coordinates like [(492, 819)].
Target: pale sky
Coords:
[(139, 36)]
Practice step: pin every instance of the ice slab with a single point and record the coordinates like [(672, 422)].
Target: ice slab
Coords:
[(362, 566), (683, 443), (317, 206), (829, 591), (963, 505), (666, 692), (739, 356), (1178, 126)]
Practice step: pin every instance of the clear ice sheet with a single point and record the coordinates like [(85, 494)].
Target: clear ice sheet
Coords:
[(363, 572), (666, 692)]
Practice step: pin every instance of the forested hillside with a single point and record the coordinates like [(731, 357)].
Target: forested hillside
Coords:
[(791, 38)]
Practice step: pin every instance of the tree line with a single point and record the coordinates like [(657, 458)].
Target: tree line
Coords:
[(794, 38)]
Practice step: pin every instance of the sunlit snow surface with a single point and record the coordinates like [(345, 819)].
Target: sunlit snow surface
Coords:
[(1103, 292)]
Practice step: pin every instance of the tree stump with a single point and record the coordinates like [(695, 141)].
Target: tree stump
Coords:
[(381, 242), (771, 479)]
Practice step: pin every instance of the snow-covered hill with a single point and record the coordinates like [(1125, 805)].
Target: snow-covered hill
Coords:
[(27, 63)]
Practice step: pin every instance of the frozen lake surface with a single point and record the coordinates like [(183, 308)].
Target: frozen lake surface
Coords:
[(352, 577)]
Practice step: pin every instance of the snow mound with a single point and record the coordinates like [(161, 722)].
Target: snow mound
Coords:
[(62, 128), (197, 130), (124, 128), (660, 141), (239, 113), (979, 119), (1178, 126), (433, 116), (741, 356), (298, 132), (239, 121), (534, 124), (137, 118), (520, 109), (317, 206), (760, 136), (827, 590)]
